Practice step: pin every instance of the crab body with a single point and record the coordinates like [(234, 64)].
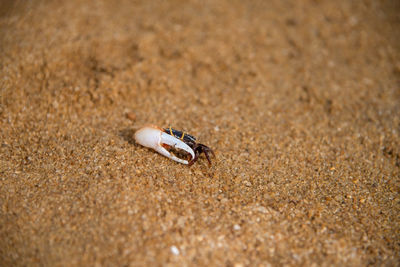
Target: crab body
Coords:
[(174, 144), (190, 140)]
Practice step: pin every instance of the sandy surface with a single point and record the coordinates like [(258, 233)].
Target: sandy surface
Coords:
[(299, 100)]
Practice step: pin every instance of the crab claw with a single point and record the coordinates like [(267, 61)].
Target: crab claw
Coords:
[(153, 137)]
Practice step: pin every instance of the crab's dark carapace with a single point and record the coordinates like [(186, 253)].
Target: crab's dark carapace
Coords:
[(185, 137)]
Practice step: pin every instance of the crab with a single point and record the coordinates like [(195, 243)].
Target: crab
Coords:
[(176, 145), (190, 140)]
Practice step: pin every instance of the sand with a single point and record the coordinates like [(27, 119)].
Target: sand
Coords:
[(298, 99)]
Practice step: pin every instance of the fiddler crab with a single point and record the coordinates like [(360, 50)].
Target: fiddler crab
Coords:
[(173, 144)]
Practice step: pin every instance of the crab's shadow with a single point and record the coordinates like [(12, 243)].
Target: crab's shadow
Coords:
[(128, 134)]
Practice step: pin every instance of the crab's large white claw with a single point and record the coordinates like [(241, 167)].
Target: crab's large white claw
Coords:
[(153, 137)]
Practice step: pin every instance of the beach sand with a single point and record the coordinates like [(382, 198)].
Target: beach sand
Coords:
[(298, 99)]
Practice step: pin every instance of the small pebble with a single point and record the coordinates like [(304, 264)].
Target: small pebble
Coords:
[(130, 116), (247, 183), (175, 250)]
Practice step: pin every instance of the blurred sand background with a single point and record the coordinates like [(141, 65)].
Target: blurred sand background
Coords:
[(299, 100)]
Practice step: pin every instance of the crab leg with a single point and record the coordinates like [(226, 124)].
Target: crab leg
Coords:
[(153, 137)]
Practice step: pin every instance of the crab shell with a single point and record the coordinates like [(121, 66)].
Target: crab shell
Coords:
[(154, 137)]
